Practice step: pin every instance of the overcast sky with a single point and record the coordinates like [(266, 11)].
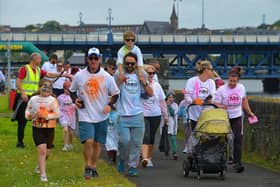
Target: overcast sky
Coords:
[(218, 13)]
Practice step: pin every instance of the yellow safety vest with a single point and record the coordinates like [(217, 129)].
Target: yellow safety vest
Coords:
[(30, 83)]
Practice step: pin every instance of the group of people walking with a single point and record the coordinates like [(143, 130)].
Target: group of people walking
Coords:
[(121, 105)]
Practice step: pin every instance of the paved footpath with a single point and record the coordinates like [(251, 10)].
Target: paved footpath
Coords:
[(169, 173)]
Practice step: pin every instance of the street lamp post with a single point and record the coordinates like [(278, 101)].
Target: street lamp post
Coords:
[(80, 22), (110, 32), (110, 18), (202, 17)]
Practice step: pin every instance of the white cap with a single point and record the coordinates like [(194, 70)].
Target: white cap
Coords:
[(94, 51)]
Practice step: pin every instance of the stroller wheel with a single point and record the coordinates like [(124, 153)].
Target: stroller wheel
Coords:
[(198, 174), (223, 174), (186, 168)]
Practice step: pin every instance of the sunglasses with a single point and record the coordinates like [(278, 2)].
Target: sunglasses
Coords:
[(151, 73), (130, 63), (130, 39), (93, 58), (46, 85), (211, 69), (113, 67)]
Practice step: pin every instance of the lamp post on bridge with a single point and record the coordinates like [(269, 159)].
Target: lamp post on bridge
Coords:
[(80, 22), (110, 32), (202, 16)]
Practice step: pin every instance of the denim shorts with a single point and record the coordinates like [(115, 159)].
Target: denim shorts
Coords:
[(94, 131)]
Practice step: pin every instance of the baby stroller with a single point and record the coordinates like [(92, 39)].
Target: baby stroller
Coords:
[(208, 142)]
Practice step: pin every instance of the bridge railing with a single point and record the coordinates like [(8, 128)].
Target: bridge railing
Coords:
[(141, 38)]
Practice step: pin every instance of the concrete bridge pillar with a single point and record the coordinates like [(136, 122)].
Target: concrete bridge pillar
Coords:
[(271, 85)]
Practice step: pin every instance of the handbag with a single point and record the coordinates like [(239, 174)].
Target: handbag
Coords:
[(164, 142), (252, 120)]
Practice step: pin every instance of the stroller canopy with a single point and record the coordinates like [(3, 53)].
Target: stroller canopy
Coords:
[(213, 121)]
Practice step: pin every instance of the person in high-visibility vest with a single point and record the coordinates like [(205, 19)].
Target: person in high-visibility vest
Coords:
[(27, 83)]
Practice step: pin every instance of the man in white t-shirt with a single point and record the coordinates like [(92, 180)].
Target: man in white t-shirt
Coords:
[(50, 66), (93, 85), (130, 110)]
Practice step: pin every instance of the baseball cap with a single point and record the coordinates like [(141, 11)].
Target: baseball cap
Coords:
[(94, 51)]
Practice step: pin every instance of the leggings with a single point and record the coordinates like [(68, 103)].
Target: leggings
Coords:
[(236, 126), (173, 142)]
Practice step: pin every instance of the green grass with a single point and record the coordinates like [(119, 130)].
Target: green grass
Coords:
[(63, 168), (4, 103), (255, 159)]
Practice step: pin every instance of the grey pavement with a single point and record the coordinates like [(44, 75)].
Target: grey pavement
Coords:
[(169, 173)]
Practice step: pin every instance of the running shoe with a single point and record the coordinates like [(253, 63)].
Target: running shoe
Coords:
[(132, 172), (44, 178), (239, 168), (175, 157), (37, 169), (94, 172), (150, 163), (87, 174)]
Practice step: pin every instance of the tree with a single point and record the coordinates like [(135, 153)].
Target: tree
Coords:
[(277, 23), (51, 26), (30, 28)]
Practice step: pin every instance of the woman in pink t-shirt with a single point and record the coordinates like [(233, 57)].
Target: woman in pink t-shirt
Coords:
[(232, 97)]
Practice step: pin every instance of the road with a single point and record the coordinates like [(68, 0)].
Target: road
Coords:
[(169, 173)]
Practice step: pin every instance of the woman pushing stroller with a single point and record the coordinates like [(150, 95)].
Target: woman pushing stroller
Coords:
[(199, 89)]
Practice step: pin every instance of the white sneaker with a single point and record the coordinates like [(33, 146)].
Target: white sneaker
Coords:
[(44, 178), (150, 163), (37, 169), (65, 148), (186, 150)]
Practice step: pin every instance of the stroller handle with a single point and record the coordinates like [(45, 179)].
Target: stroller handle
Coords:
[(204, 104)]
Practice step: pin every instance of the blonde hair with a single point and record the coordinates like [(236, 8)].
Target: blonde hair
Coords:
[(202, 65), (148, 66), (128, 34), (215, 75)]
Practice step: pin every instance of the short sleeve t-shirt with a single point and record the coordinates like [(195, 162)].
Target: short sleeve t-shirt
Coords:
[(195, 88), (93, 89), (22, 72), (151, 105), (50, 68), (232, 98), (129, 103)]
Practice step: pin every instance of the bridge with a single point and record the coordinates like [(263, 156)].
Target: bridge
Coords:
[(259, 55)]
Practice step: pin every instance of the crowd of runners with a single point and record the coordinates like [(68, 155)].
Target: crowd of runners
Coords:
[(119, 104)]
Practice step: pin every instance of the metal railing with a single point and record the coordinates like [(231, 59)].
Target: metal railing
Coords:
[(142, 39)]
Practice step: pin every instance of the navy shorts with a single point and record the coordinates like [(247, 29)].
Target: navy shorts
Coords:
[(93, 131)]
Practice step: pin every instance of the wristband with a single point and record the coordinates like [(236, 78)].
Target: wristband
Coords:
[(145, 84), (111, 105)]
